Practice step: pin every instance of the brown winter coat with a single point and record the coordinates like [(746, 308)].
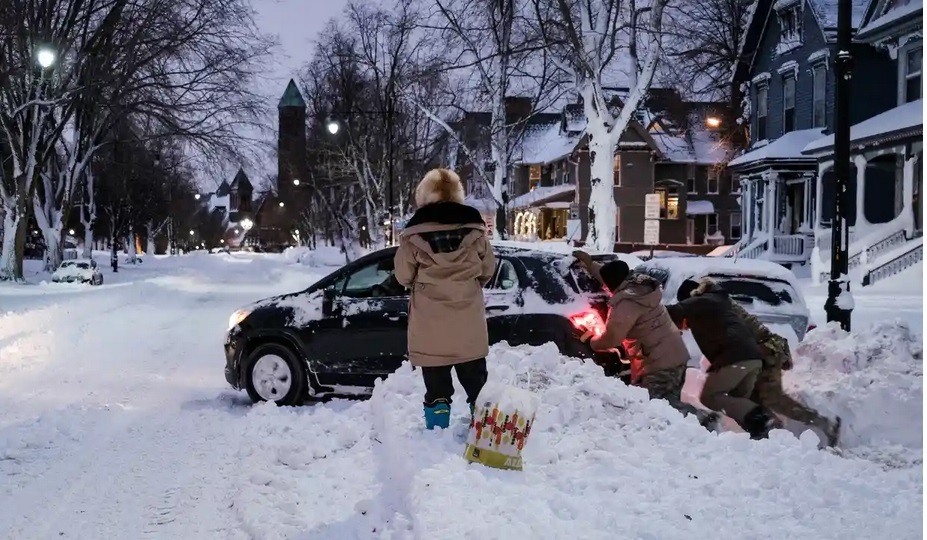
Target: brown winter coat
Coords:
[(447, 316), (637, 319)]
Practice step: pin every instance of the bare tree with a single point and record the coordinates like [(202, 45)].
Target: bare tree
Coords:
[(493, 40), (585, 38)]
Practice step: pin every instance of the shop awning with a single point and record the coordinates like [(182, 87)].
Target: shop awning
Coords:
[(699, 208)]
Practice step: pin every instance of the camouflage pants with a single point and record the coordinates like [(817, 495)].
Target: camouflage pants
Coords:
[(666, 384), (768, 392)]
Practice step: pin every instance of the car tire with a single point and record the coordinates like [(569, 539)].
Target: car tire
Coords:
[(272, 372), (98, 280)]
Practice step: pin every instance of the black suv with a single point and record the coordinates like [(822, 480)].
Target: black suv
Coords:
[(349, 329)]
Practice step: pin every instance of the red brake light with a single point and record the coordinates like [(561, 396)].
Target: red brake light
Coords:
[(589, 320)]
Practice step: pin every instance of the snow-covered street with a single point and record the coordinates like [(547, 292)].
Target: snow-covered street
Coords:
[(118, 423)]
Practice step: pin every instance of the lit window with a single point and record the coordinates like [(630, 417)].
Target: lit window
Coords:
[(669, 202), (534, 177), (617, 169)]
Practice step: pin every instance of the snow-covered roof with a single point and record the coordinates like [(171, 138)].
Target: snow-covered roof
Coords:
[(541, 194), (786, 147), (826, 11), (699, 208), (545, 143), (902, 120), (894, 15)]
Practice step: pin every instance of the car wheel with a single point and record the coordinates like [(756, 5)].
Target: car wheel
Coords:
[(98, 280), (273, 373)]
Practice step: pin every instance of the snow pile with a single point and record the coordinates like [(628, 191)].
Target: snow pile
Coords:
[(321, 256), (602, 462), (873, 380)]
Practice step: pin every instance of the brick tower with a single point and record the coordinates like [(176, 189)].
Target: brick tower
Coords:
[(291, 147)]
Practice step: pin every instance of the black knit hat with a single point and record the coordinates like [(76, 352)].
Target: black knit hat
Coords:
[(685, 290), (614, 273)]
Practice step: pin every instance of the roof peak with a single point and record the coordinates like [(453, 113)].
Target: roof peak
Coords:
[(291, 97)]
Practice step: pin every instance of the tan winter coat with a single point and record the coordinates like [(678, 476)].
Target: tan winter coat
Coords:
[(447, 316), (638, 320)]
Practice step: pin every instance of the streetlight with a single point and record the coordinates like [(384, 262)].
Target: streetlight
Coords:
[(296, 181), (71, 232), (246, 224), (45, 58), (713, 121), (333, 126), (281, 204), (197, 196)]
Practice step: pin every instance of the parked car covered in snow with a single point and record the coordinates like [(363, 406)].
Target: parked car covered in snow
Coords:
[(78, 271), (349, 329), (765, 289)]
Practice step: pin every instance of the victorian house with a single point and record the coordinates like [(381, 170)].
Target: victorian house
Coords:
[(787, 173), (674, 148)]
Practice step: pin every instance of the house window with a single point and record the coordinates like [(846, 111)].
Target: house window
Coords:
[(712, 180), (669, 202), (534, 177), (912, 74), (735, 183), (788, 104), (711, 224), (789, 28), (762, 95), (690, 186), (819, 96), (735, 226), (617, 168)]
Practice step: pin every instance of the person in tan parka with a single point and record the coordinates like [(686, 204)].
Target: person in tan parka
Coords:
[(445, 259)]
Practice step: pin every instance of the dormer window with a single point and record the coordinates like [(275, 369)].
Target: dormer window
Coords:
[(790, 16)]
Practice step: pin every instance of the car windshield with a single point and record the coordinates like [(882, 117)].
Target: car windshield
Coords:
[(83, 266), (753, 289), (67, 264)]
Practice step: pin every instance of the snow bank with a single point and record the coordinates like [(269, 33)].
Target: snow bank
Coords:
[(321, 256), (873, 380), (602, 462)]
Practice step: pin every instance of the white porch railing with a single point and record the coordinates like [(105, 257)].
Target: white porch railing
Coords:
[(792, 245), (895, 266)]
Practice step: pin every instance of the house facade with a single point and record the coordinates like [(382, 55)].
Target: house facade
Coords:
[(788, 83), (680, 158), (885, 218)]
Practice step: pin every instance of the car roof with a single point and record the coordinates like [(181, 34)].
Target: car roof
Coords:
[(683, 268)]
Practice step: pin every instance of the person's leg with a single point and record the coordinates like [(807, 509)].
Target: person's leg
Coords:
[(666, 384), (727, 389), (439, 387), (472, 376), (769, 393)]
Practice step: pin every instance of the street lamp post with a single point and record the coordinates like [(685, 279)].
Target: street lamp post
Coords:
[(839, 304)]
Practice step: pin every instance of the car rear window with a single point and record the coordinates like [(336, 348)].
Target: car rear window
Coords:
[(767, 291)]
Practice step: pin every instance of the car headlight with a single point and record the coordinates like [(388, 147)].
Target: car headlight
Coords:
[(237, 317)]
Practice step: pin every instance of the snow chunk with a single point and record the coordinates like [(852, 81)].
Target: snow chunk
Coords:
[(698, 208), (872, 379)]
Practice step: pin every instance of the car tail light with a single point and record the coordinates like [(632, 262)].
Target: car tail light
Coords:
[(589, 321)]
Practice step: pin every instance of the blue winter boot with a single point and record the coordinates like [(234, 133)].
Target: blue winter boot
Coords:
[(438, 414)]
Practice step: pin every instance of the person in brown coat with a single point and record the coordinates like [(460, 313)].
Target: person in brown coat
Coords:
[(638, 320), (445, 259)]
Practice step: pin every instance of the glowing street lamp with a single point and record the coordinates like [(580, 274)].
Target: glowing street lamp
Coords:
[(713, 121), (191, 232), (45, 58), (296, 181), (246, 224), (197, 196), (71, 232), (281, 204), (333, 127)]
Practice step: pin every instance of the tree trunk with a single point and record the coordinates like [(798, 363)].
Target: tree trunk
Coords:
[(150, 248), (11, 267), (602, 206), (48, 219), (130, 245)]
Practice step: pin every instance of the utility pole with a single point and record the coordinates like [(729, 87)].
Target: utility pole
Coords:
[(839, 303), (389, 157)]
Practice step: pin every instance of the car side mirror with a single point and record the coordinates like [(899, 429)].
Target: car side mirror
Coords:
[(328, 302)]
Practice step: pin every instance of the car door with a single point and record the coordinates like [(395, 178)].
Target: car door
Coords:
[(503, 300), (364, 334)]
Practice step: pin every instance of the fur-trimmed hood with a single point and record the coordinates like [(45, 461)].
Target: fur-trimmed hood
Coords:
[(439, 185), (707, 285)]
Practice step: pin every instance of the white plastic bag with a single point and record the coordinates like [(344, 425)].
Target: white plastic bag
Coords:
[(502, 419)]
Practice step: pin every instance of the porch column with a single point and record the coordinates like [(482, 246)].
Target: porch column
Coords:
[(772, 204), (808, 209), (907, 193), (819, 190), (759, 188), (745, 204), (860, 162)]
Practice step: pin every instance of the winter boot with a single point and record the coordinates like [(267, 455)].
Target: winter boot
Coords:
[(759, 422), (832, 431), (438, 414), (710, 420)]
